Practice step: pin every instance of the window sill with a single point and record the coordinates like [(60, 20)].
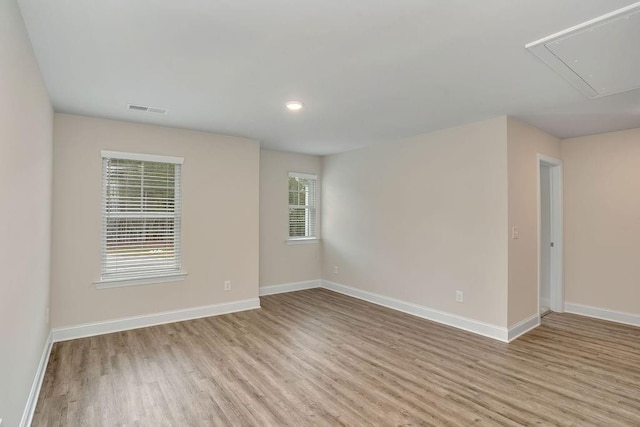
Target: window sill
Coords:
[(148, 280), (303, 241)]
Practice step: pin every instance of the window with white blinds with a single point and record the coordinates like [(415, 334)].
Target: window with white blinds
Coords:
[(302, 205), (141, 210)]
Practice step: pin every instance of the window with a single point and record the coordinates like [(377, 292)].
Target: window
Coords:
[(302, 206), (140, 219)]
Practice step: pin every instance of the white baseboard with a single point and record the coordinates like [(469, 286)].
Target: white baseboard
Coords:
[(603, 313), (30, 407), (470, 325), (524, 326), (109, 326), (290, 287), (464, 323)]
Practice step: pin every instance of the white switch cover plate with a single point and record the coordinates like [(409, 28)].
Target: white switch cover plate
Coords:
[(459, 296)]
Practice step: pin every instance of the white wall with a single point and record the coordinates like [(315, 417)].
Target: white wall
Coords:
[(281, 263), (220, 195), (420, 218), (602, 220), (524, 144), (25, 218)]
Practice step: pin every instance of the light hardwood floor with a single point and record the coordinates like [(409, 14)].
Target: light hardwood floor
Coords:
[(316, 357)]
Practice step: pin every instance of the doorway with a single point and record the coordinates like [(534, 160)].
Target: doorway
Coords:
[(550, 275)]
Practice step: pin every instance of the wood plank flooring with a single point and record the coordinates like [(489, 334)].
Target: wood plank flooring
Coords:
[(316, 357)]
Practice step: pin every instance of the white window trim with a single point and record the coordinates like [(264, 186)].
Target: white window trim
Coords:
[(141, 157), (310, 239), (303, 240), (119, 282), (303, 175), (146, 280)]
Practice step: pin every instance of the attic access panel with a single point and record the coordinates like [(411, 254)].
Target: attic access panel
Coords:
[(600, 57)]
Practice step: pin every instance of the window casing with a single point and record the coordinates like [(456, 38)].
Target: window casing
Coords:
[(302, 206), (141, 218)]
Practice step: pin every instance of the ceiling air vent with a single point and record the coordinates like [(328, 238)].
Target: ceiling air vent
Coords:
[(599, 57), (146, 108)]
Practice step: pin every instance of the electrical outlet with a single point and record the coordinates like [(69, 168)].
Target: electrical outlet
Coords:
[(336, 269), (459, 296), (227, 285), (515, 233)]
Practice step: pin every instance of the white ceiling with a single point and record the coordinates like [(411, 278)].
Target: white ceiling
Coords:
[(368, 71)]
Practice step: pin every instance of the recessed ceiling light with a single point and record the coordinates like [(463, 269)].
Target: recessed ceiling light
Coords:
[(294, 105)]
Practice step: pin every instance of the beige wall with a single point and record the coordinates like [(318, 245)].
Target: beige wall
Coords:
[(602, 220), (26, 121), (281, 263), (220, 184), (524, 143), (420, 218)]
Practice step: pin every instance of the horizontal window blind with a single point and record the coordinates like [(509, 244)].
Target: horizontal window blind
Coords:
[(141, 211), (302, 205)]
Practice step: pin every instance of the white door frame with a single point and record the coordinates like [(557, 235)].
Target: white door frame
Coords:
[(557, 265)]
